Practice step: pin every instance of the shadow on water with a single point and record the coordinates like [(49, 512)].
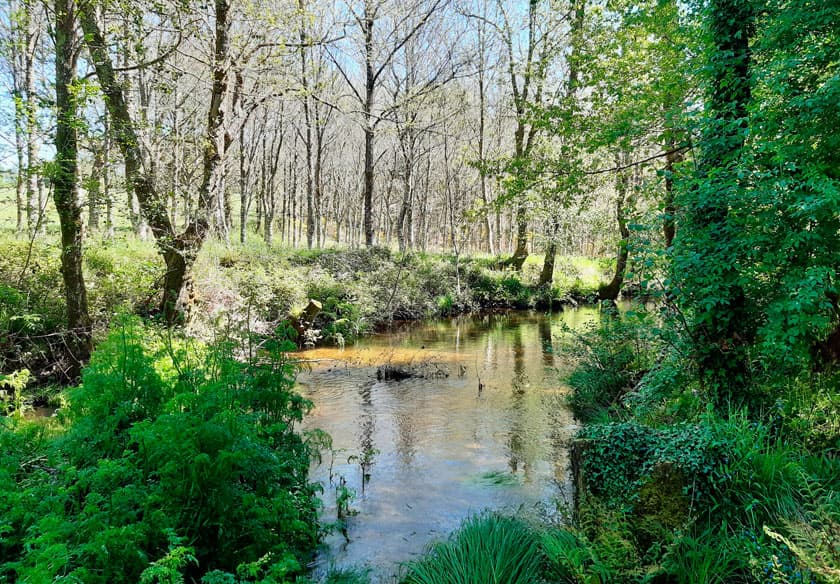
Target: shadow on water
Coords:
[(423, 453)]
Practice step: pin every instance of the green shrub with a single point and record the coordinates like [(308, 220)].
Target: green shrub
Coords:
[(121, 276), (31, 304), (707, 557), (767, 480), (580, 277), (445, 305), (613, 356), (571, 559), (621, 457), (810, 413), (771, 505), (515, 293), (341, 317), (178, 460)]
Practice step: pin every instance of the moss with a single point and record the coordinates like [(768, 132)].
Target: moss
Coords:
[(662, 507)]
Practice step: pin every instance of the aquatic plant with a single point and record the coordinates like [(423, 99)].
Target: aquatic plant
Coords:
[(498, 478), (365, 461)]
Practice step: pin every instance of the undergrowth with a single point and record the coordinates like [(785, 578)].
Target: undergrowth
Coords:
[(172, 461), (675, 490), (359, 289)]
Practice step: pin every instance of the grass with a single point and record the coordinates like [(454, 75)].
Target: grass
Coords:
[(487, 549), (347, 576)]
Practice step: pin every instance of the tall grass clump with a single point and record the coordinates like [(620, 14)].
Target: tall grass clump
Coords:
[(489, 549)]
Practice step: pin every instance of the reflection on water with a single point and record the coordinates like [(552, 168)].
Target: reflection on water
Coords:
[(490, 435)]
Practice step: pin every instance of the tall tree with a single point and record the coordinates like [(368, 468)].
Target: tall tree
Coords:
[(527, 77), (789, 213), (65, 181), (22, 28), (624, 194), (482, 70), (375, 60), (573, 61), (707, 253), (417, 75), (179, 250)]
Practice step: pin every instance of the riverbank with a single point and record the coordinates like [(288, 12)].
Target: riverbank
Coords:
[(360, 291), (673, 489)]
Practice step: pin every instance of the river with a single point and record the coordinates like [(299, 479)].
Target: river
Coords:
[(485, 428)]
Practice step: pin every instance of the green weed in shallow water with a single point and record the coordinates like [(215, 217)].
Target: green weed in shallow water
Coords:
[(497, 478)]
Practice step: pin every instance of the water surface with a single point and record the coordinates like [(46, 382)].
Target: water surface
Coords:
[(486, 428)]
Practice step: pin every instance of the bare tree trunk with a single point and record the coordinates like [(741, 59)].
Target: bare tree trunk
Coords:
[(244, 195), (622, 188), (94, 188), (520, 252), (285, 210), (318, 180), (533, 73), (402, 218), (307, 117), (482, 123), (65, 180), (35, 206), (488, 222), (262, 192), (107, 195), (547, 274), (21, 178), (367, 194), (178, 250), (293, 190), (450, 200), (19, 17), (669, 226), (268, 233), (269, 167), (369, 130)]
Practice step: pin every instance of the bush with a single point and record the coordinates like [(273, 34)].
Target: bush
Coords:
[(622, 457), (714, 501), (613, 355), (571, 559), (119, 276), (179, 460)]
